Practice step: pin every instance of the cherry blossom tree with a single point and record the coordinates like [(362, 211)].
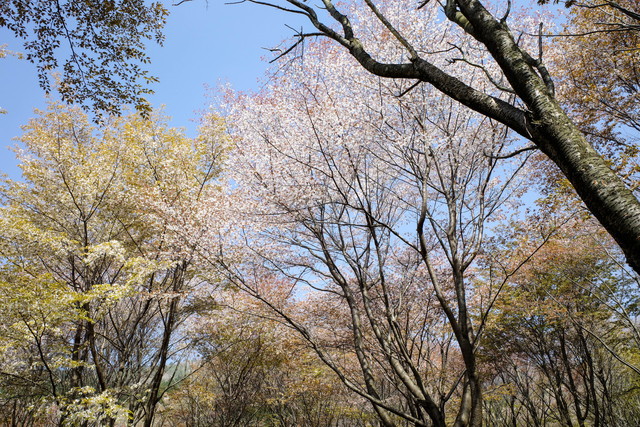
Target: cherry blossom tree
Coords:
[(378, 206), (531, 110)]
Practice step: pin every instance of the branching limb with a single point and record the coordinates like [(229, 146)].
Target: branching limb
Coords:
[(513, 154), (486, 73), (454, 15), (301, 37), (412, 52), (504, 18)]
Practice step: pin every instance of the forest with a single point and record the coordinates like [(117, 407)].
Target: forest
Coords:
[(427, 216)]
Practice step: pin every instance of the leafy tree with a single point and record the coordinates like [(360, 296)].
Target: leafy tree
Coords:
[(599, 81), (561, 346), (253, 370), (92, 276), (599, 68), (103, 42)]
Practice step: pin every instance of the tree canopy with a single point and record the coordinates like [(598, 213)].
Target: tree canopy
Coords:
[(424, 217), (524, 91), (98, 46)]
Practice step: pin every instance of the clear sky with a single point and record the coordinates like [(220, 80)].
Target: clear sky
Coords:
[(207, 43)]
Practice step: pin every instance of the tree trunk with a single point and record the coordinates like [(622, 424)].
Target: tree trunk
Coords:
[(548, 126)]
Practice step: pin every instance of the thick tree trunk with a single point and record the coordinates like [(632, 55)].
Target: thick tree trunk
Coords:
[(548, 126), (602, 191)]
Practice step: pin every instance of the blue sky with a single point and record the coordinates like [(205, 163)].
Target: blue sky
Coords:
[(207, 43)]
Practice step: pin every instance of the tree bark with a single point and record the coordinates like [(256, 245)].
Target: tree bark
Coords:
[(548, 126)]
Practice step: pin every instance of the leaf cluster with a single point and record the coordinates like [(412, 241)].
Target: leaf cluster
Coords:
[(102, 43)]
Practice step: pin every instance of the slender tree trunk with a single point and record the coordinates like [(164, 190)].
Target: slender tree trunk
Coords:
[(154, 391), (169, 325)]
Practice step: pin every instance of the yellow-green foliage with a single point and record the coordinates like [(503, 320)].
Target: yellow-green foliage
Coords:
[(88, 247)]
